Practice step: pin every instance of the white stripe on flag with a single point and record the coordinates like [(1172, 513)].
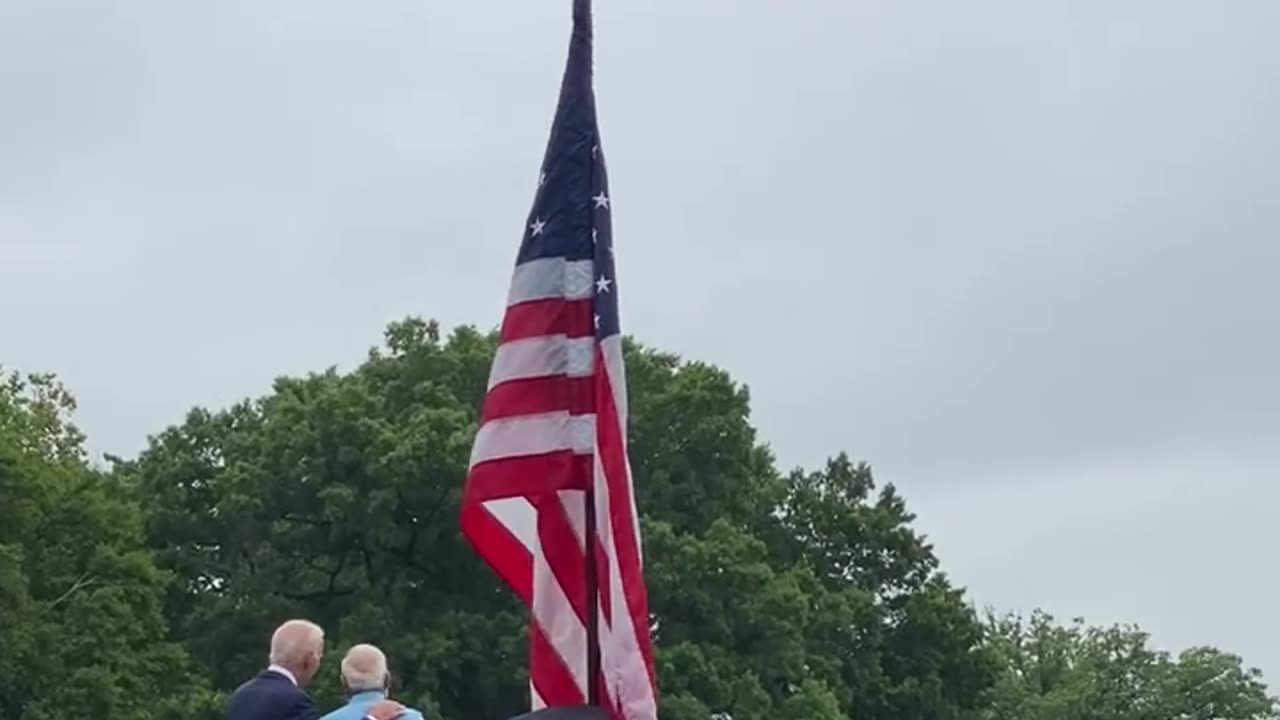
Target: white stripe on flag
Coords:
[(542, 356), (575, 511), (621, 661), (554, 277), (560, 625), (533, 435), (518, 516), (611, 351)]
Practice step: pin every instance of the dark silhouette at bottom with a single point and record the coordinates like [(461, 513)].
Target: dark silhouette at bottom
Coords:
[(582, 712)]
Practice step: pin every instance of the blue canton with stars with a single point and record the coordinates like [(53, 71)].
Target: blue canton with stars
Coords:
[(571, 216)]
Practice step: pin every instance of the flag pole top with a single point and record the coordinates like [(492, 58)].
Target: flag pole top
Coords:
[(582, 24), (582, 14)]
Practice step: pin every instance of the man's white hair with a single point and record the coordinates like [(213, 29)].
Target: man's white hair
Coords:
[(295, 641), (364, 668)]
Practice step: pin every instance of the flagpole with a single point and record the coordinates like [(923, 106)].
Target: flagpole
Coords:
[(582, 30)]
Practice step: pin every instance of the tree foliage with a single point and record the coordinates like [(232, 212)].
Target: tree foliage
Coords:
[(805, 595), (1076, 672), (83, 631), (336, 497)]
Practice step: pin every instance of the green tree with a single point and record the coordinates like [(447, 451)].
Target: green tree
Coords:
[(919, 649), (1078, 672), (149, 591), (82, 628), (336, 497)]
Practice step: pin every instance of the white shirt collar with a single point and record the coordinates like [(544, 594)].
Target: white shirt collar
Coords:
[(283, 671)]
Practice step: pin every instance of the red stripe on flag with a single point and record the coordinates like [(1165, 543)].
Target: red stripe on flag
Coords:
[(613, 460), (529, 475), (555, 316), (532, 396), (502, 550), (562, 551), (548, 672)]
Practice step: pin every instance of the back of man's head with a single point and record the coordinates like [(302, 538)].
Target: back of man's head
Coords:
[(298, 646), (365, 668)]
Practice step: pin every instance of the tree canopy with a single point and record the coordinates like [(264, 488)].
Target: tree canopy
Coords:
[(1075, 672), (803, 594), (83, 633)]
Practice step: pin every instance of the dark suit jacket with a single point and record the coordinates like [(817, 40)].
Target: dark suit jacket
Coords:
[(566, 713), (271, 696)]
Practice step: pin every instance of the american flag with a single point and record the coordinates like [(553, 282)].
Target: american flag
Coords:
[(553, 431)]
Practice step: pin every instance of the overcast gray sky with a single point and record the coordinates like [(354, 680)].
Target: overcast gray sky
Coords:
[(1021, 256)]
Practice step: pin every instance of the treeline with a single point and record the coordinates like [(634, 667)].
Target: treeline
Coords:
[(145, 588)]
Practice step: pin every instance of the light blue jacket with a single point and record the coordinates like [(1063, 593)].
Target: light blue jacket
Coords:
[(360, 703)]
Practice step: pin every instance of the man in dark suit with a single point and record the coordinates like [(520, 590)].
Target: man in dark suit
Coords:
[(277, 694)]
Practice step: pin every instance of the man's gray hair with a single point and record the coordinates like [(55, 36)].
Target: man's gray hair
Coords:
[(364, 668), (295, 641)]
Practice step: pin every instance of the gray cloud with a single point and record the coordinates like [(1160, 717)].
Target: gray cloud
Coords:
[(1019, 256)]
